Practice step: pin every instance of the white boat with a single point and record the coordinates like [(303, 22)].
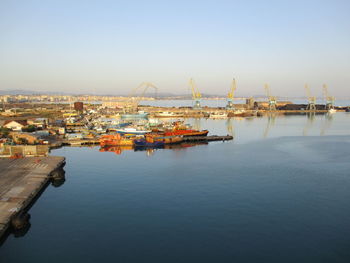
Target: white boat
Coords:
[(168, 114), (132, 131), (218, 115), (332, 111)]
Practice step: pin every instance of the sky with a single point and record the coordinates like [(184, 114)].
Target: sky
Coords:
[(110, 47)]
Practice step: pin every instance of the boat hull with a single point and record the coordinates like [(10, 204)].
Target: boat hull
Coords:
[(115, 140), (144, 143)]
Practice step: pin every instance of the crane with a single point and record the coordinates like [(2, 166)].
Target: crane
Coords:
[(231, 95), (311, 99), (272, 99), (328, 99), (135, 98), (196, 95)]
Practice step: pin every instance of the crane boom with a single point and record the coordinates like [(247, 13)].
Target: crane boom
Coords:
[(134, 98), (195, 93), (307, 89), (231, 93), (267, 90)]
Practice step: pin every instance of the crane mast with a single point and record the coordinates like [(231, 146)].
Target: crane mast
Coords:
[(311, 99), (231, 95), (196, 95), (328, 99), (272, 99), (135, 98)]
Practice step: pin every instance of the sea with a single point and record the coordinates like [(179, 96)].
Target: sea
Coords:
[(278, 192)]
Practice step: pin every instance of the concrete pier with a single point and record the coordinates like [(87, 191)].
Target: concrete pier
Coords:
[(21, 181), (207, 138)]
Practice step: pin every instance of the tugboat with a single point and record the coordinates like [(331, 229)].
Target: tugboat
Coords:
[(115, 140), (184, 131)]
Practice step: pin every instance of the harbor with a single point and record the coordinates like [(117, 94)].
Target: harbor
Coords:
[(270, 183)]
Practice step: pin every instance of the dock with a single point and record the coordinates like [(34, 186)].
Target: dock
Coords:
[(207, 138), (80, 142), (21, 182)]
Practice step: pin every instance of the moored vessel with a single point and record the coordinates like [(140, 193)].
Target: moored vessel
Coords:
[(115, 140), (132, 131)]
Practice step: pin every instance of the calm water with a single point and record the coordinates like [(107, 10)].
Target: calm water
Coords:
[(278, 193)]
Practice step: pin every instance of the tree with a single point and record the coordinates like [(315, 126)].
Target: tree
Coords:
[(4, 132), (29, 128)]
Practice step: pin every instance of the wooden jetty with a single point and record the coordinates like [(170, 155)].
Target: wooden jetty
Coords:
[(21, 181), (80, 142), (207, 138)]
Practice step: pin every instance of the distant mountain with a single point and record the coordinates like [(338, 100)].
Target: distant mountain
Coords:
[(30, 92), (18, 92)]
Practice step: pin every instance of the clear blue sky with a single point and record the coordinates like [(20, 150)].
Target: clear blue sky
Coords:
[(112, 46)]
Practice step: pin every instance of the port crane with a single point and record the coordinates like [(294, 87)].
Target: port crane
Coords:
[(231, 95), (196, 95), (272, 99), (311, 99), (328, 99), (139, 92)]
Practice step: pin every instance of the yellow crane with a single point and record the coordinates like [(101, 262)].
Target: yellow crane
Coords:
[(138, 93), (311, 99), (231, 95), (196, 95), (272, 99), (328, 99)]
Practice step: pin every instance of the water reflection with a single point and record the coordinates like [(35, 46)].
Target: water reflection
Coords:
[(309, 122), (328, 119), (271, 118), (230, 127), (197, 123), (116, 149), (150, 150)]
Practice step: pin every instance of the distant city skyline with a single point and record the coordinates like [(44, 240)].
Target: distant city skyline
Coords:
[(110, 47)]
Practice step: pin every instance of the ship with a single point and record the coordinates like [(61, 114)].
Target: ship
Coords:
[(184, 130), (115, 140), (218, 115), (168, 114)]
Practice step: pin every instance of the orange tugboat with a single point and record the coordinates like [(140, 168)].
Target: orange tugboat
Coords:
[(180, 129), (115, 140)]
